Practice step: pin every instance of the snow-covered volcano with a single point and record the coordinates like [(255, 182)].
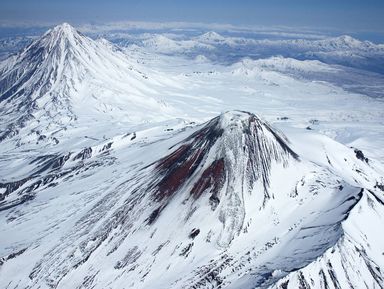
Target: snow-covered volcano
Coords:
[(65, 77), (227, 204), (220, 163), (104, 185)]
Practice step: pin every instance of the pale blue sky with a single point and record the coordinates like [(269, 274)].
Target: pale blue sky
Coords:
[(338, 14)]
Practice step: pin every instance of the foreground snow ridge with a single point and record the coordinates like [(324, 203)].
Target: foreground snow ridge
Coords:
[(228, 205)]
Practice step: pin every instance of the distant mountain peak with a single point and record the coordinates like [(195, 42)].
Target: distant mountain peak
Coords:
[(347, 39), (346, 42), (43, 61), (48, 79), (212, 36)]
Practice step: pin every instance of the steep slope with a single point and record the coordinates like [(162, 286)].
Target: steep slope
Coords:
[(228, 204), (229, 154), (48, 85), (355, 261)]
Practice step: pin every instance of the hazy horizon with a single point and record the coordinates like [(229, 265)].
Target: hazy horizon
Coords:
[(340, 15)]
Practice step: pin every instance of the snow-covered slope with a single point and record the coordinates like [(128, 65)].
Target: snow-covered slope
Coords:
[(228, 204), (47, 86), (110, 178)]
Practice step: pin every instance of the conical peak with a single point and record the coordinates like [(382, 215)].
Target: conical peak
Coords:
[(212, 35), (235, 141), (62, 32), (58, 41), (64, 28), (236, 118), (237, 123), (47, 60), (346, 39), (238, 114)]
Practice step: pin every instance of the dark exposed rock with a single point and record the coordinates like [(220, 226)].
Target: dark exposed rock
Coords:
[(152, 218), (86, 153), (8, 205), (9, 132), (212, 178), (12, 186), (158, 249), (15, 254), (379, 186), (60, 161), (373, 268), (333, 276), (360, 155), (314, 121), (214, 202), (303, 284), (209, 275), (176, 168), (12, 256), (42, 138), (323, 279), (284, 285), (376, 197), (41, 159), (49, 169), (106, 147), (186, 250), (194, 233)]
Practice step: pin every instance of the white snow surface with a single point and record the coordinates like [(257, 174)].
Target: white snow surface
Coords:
[(129, 169)]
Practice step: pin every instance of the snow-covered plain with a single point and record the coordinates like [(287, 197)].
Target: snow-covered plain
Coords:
[(135, 166)]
